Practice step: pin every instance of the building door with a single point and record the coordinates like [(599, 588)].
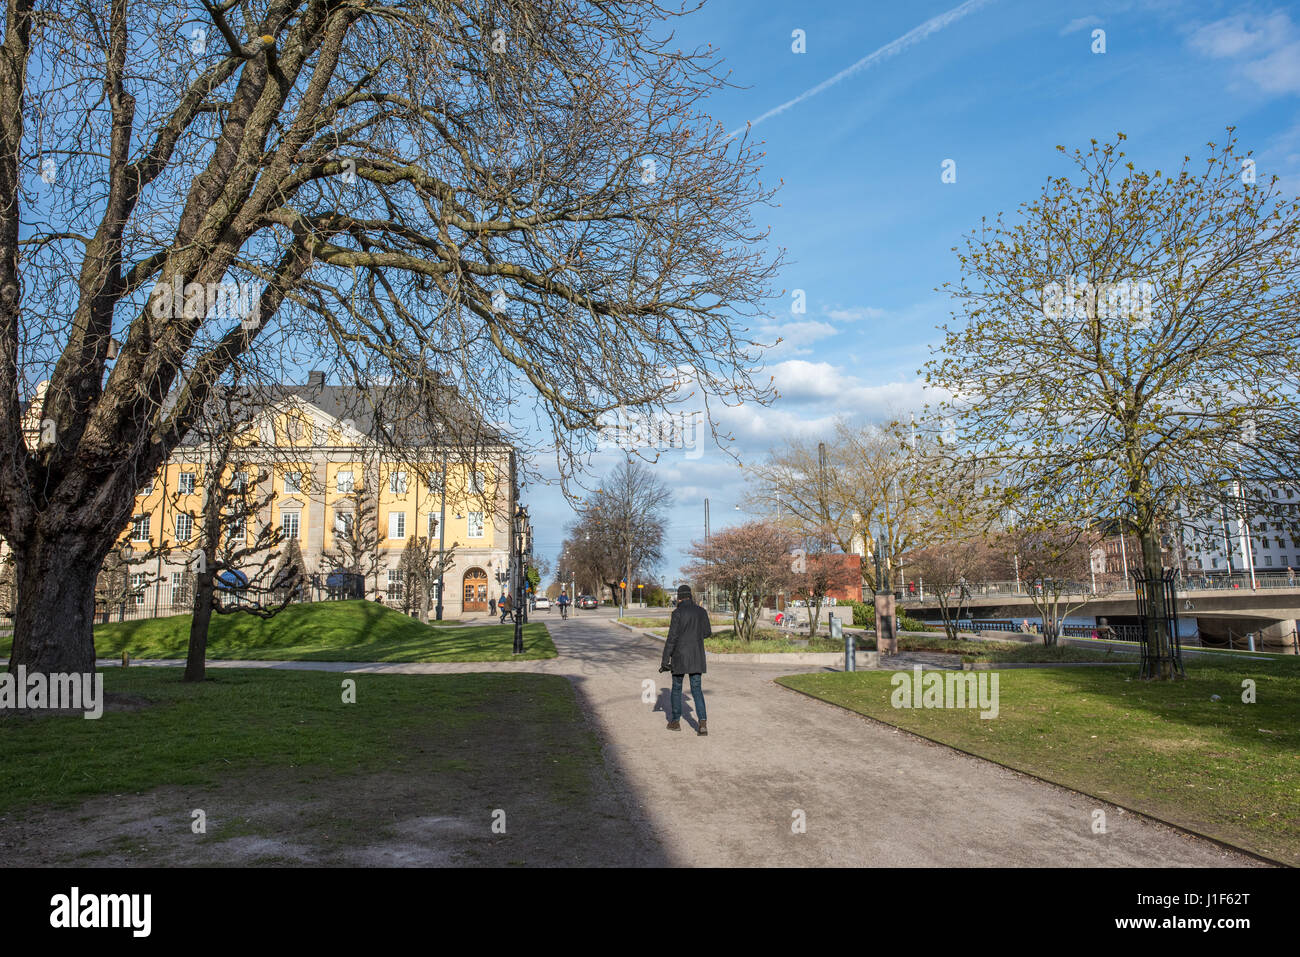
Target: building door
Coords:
[(476, 590)]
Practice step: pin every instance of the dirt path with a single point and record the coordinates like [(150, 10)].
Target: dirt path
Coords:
[(868, 795), (865, 794)]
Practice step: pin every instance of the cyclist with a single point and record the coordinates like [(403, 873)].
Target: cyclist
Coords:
[(563, 602)]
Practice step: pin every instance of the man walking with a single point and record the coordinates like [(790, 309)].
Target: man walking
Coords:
[(504, 605), (684, 655)]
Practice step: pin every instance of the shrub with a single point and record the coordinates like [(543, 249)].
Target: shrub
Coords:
[(864, 613)]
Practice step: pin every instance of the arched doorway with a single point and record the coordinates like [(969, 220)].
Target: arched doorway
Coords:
[(476, 590)]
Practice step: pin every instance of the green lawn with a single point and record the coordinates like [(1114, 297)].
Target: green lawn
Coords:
[(321, 631), (1225, 768), (1005, 651), (767, 641)]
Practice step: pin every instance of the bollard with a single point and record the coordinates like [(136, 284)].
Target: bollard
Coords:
[(126, 657), (850, 645)]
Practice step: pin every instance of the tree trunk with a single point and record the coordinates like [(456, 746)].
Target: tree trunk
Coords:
[(814, 617), (54, 581), (1158, 636), (196, 659)]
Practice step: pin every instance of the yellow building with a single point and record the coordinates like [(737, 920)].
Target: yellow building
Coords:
[(317, 462)]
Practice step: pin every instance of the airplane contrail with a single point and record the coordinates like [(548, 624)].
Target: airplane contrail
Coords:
[(908, 39)]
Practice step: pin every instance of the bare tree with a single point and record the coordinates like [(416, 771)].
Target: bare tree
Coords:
[(817, 572), (514, 199), (1054, 565), (619, 531), (1128, 348)]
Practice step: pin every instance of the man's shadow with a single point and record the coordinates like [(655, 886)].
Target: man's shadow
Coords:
[(665, 704)]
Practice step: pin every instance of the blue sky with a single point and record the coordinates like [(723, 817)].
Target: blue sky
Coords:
[(868, 223)]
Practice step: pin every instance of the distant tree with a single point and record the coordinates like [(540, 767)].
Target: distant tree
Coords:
[(423, 564), (748, 563), (818, 571), (355, 548), (620, 529), (1128, 348), (1054, 567)]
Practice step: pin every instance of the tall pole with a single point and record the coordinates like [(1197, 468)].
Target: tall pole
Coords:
[(708, 589), (1243, 525), (442, 535)]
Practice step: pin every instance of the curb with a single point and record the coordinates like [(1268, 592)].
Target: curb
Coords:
[(1056, 784)]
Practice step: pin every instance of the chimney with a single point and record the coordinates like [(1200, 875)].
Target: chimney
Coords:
[(315, 379)]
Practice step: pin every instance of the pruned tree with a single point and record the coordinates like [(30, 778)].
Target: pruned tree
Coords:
[(518, 201), (422, 564), (748, 563), (1128, 347), (355, 549)]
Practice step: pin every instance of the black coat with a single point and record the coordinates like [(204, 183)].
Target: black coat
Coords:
[(684, 649)]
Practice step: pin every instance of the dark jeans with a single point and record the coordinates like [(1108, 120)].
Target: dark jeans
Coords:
[(697, 693)]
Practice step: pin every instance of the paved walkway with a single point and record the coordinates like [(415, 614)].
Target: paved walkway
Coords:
[(869, 795)]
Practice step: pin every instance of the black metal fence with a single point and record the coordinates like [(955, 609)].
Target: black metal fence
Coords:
[(1157, 600)]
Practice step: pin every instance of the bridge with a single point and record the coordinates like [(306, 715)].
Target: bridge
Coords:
[(1225, 607)]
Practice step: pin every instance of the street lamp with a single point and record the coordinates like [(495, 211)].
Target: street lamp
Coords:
[(442, 534)]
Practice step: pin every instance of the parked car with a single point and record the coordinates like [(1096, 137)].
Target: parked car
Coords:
[(587, 601), (542, 602)]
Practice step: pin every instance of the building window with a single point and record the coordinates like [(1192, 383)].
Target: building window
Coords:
[(236, 528), (289, 524), (185, 483), (396, 524), (433, 525), (1268, 561), (292, 483), (395, 584), (475, 525), (239, 482), (397, 483), (140, 530), (476, 483), (342, 523), (139, 582), (184, 526), (148, 489), (343, 481)]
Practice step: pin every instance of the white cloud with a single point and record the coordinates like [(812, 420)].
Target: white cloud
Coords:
[(1265, 49), (856, 314), (1079, 23), (796, 337)]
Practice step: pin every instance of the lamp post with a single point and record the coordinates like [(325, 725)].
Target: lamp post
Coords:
[(521, 520), (442, 535)]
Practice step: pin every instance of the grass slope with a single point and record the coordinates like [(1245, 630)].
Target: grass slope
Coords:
[(1225, 768), (323, 631)]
